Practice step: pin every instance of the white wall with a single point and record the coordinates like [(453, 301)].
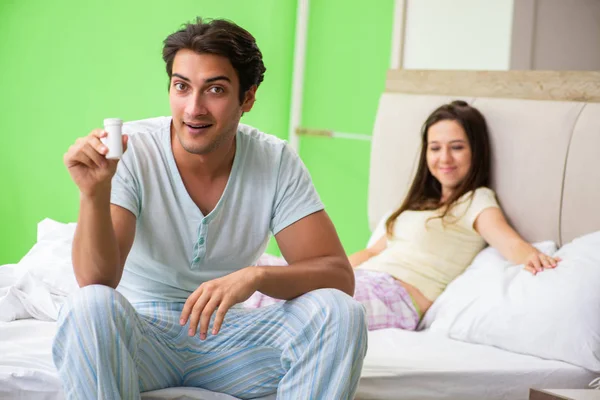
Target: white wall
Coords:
[(556, 35), (458, 34), (566, 35)]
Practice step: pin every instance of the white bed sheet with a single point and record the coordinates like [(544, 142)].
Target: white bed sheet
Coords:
[(399, 365), (424, 365)]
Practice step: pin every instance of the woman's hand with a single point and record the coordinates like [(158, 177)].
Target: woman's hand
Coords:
[(361, 256), (537, 262)]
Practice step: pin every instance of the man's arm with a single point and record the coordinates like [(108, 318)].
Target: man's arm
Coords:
[(316, 260), (104, 233), (103, 238)]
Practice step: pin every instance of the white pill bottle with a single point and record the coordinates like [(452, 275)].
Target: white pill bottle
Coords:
[(113, 140)]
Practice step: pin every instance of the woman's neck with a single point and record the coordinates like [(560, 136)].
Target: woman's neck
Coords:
[(446, 193)]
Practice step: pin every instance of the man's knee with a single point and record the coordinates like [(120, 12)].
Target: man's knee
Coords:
[(339, 307), (91, 302)]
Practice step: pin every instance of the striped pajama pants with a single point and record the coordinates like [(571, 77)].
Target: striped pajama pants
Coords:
[(311, 347)]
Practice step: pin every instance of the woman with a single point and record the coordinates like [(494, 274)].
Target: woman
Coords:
[(447, 217)]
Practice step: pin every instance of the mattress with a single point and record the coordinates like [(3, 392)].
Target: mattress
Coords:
[(399, 365), (423, 365)]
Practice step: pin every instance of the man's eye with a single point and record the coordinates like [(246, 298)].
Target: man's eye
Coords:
[(216, 90), (179, 86)]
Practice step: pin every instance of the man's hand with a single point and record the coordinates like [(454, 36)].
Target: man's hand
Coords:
[(87, 163), (219, 294)]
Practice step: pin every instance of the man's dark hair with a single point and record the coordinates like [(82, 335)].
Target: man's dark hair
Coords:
[(223, 38)]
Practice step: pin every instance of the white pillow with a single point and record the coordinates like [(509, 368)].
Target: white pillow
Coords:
[(49, 259), (379, 230), (553, 315), (49, 229), (486, 274), (36, 287)]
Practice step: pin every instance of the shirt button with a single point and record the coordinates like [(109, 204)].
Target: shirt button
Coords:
[(201, 241)]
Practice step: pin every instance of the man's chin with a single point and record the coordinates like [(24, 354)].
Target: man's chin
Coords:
[(197, 149), (191, 145)]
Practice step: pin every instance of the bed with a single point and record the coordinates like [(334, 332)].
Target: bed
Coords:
[(399, 365), (545, 129)]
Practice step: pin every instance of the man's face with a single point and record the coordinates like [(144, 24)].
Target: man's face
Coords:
[(204, 101)]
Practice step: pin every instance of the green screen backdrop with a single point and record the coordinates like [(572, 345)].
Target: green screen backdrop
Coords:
[(66, 65)]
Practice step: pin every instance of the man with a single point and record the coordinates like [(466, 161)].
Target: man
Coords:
[(178, 222)]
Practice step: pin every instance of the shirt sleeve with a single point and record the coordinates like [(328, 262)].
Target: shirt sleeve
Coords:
[(483, 198), (296, 196), (126, 190)]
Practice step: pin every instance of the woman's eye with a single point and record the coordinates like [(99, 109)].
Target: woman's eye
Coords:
[(458, 148), (434, 148)]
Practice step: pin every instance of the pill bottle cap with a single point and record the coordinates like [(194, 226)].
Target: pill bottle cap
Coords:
[(113, 121)]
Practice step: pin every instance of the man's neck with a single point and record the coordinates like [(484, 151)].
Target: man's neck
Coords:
[(208, 166)]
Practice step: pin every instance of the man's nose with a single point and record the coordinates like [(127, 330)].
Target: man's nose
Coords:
[(196, 106)]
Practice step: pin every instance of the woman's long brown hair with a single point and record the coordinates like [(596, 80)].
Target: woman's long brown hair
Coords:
[(425, 192)]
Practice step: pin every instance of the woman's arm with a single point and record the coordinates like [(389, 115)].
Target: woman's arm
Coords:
[(495, 230), (361, 256)]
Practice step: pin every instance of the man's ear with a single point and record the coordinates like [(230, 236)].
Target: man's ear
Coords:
[(249, 98)]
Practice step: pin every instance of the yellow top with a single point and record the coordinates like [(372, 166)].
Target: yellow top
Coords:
[(430, 253)]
